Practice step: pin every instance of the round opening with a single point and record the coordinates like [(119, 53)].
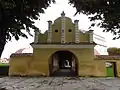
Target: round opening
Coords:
[(70, 30), (56, 30)]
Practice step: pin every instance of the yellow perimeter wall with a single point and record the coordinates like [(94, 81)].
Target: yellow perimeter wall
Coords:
[(38, 64)]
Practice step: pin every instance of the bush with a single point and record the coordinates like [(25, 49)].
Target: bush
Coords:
[(113, 51), (4, 70)]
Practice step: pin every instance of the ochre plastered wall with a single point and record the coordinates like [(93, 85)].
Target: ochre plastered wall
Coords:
[(69, 36), (117, 66), (42, 38), (56, 36), (84, 37), (87, 66), (38, 64), (19, 65), (84, 57)]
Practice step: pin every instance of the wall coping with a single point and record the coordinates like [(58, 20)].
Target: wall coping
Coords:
[(106, 57)]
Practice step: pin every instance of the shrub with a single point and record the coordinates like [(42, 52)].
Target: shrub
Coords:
[(4, 70), (113, 51)]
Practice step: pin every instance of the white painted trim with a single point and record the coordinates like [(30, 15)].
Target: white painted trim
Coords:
[(91, 37), (36, 36), (63, 28), (49, 38), (76, 32), (61, 46)]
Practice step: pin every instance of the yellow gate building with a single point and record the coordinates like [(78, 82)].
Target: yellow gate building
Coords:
[(62, 47)]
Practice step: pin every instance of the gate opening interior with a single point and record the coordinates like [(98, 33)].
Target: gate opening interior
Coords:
[(63, 63)]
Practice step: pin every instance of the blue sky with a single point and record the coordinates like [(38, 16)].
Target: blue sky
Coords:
[(51, 13)]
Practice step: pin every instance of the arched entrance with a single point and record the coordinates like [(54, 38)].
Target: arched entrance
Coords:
[(63, 63)]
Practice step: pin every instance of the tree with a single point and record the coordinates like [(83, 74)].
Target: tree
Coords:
[(107, 11), (16, 15), (113, 51)]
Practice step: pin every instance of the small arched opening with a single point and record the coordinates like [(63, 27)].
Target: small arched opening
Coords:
[(63, 63)]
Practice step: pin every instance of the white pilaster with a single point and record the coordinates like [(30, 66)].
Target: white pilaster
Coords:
[(49, 38), (36, 36), (76, 31), (91, 36), (63, 28)]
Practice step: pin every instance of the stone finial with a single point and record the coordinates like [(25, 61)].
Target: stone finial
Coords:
[(91, 35), (49, 21), (91, 30), (36, 35), (63, 14), (76, 21)]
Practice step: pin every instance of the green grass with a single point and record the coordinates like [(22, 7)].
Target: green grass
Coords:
[(4, 64), (110, 72)]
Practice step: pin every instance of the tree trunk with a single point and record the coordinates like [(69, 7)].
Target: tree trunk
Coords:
[(2, 31), (1, 47), (2, 41)]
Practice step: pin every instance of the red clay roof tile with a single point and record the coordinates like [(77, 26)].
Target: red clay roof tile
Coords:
[(21, 54)]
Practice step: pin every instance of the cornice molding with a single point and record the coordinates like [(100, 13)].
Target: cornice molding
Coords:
[(61, 46)]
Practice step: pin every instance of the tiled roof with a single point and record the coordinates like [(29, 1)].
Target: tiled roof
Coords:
[(21, 54), (20, 50), (106, 57)]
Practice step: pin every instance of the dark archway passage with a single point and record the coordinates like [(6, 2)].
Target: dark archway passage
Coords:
[(63, 63)]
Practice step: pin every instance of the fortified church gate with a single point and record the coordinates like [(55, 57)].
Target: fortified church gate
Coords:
[(63, 50)]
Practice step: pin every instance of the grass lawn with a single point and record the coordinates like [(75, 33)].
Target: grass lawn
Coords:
[(4, 64), (110, 72)]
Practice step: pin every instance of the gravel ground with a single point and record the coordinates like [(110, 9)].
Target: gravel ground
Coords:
[(59, 83)]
